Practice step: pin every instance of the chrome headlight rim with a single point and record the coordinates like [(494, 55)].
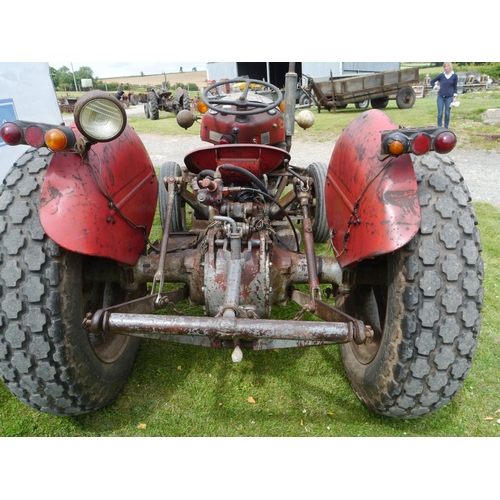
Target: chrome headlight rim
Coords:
[(99, 116)]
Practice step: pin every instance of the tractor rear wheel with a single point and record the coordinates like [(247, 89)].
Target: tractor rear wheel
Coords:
[(154, 111), (426, 313), (186, 101), (47, 360)]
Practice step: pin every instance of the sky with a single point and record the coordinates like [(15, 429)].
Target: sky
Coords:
[(114, 69)]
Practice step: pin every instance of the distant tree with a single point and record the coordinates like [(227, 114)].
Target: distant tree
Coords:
[(84, 72), (186, 86), (54, 76), (142, 73), (194, 69), (180, 69), (64, 79)]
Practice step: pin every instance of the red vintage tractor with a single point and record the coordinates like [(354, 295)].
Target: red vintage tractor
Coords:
[(81, 283)]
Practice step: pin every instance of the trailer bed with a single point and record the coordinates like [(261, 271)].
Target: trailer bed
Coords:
[(376, 87)]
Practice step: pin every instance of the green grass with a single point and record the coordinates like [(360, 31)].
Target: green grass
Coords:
[(191, 391), (465, 120)]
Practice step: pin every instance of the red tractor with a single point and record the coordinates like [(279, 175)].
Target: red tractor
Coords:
[(81, 283)]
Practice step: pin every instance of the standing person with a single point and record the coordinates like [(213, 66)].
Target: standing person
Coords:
[(447, 93)]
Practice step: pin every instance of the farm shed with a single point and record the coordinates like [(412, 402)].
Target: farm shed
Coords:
[(275, 72)]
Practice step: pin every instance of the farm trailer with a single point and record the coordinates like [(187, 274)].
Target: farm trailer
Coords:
[(375, 88)]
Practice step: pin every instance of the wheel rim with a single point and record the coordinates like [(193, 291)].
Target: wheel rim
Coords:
[(108, 347), (369, 303)]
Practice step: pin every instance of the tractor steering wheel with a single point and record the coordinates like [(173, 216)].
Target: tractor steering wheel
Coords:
[(242, 101)]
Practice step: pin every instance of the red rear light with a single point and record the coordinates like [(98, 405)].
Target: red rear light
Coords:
[(417, 141), (11, 134), (445, 142), (421, 144), (34, 136)]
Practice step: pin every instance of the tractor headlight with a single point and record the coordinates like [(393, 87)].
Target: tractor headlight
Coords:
[(99, 116)]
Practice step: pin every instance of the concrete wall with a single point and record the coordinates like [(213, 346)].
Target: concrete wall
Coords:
[(26, 93)]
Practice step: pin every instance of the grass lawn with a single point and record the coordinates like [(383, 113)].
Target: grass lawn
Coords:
[(189, 391)]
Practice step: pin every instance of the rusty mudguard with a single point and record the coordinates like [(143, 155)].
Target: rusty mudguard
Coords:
[(373, 203), (103, 205)]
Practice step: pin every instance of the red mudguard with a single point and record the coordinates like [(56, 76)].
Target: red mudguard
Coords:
[(103, 205), (373, 205)]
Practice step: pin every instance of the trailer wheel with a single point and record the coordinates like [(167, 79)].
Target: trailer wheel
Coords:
[(380, 102), (154, 112), (305, 100), (405, 98), (320, 229), (47, 360), (363, 104), (177, 221), (426, 315)]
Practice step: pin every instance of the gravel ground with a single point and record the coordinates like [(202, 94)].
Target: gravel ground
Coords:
[(481, 169)]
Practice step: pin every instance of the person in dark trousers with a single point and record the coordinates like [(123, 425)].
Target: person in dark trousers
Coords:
[(447, 93)]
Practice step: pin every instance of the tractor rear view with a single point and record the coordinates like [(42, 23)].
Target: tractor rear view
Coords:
[(398, 288)]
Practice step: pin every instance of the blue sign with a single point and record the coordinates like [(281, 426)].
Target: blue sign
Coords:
[(7, 114)]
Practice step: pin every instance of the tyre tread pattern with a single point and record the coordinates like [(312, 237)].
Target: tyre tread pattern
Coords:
[(321, 232), (154, 110), (441, 297), (37, 361)]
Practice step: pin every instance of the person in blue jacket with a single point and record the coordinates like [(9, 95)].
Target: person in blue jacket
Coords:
[(447, 93)]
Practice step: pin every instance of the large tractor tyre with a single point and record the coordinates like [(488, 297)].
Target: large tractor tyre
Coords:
[(405, 98), (186, 102), (426, 315), (320, 229), (177, 221), (154, 110), (380, 102), (47, 360)]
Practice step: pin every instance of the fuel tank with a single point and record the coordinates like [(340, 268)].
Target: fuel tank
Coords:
[(373, 203), (103, 205), (266, 128)]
